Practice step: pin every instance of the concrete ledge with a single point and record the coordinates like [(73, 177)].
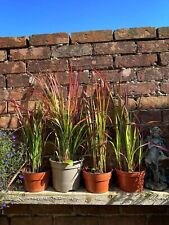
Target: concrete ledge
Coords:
[(81, 197)]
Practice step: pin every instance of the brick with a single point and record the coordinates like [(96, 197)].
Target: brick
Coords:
[(4, 94), (16, 94), (149, 117), (158, 220), (3, 55), (4, 220), (17, 210), (49, 39), (8, 121), (116, 75), (114, 48), (51, 209), (96, 210), (12, 67), (135, 33), (163, 32), (24, 106), (2, 81), (12, 42), (146, 209), (135, 60), (30, 53), (72, 50), (92, 36), (166, 116), (23, 220), (153, 46), (47, 65), (140, 89), (164, 58), (3, 107), (164, 87), (154, 102), (17, 80), (85, 220), (95, 62), (155, 73), (123, 220)]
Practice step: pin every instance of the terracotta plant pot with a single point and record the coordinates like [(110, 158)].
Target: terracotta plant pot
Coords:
[(130, 182), (96, 182), (66, 177), (36, 182)]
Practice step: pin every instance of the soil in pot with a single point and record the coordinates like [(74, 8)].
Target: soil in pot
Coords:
[(130, 181), (36, 182), (66, 177), (96, 182)]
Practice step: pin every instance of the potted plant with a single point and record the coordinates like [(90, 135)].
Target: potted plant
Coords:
[(32, 124), (128, 147), (96, 176), (68, 128)]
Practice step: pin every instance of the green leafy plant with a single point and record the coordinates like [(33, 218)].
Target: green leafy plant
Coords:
[(11, 161), (96, 108), (64, 115), (32, 126), (128, 143)]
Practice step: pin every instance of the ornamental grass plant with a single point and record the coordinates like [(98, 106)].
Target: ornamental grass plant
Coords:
[(65, 116), (96, 109)]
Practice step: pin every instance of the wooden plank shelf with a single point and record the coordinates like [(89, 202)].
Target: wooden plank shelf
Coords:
[(81, 197)]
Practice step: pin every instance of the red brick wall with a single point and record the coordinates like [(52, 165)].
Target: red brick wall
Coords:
[(139, 57), (85, 215)]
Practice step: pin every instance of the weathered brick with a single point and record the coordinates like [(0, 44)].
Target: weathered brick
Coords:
[(52, 209), (135, 60), (24, 106), (17, 210), (139, 88), (17, 94), (135, 33), (116, 75), (2, 81), (8, 121), (49, 39), (3, 107), (166, 118), (48, 65), (164, 88), (92, 36), (3, 55), (123, 220), (114, 48), (164, 58), (146, 209), (12, 67), (155, 73), (72, 50), (158, 220), (4, 220), (30, 53), (95, 62), (4, 94), (153, 46), (67, 220), (12, 42), (148, 117), (23, 220), (96, 210), (163, 32), (17, 80), (154, 102)]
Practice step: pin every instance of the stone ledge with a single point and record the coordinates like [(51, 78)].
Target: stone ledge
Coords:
[(81, 197)]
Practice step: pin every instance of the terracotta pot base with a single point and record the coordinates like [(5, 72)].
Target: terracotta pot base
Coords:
[(130, 182), (96, 182), (36, 182)]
